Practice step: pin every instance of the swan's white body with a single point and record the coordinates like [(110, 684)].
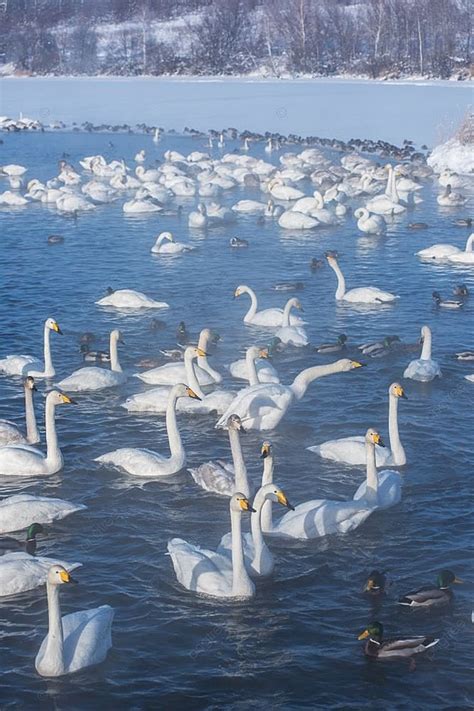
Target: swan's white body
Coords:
[(438, 251), (388, 203), (21, 510), (268, 318), (293, 220), (165, 245), (27, 365), (94, 378), (292, 335), (249, 206), (371, 224), (466, 257), (360, 295), (265, 371), (423, 368), (280, 191), (172, 373), (130, 299), (198, 218), (10, 433), (20, 572)]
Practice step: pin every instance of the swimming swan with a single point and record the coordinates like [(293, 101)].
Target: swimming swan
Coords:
[(268, 318), (75, 641), (19, 511), (130, 299), (261, 407), (292, 335), (20, 572), (466, 257), (94, 378), (165, 245), (26, 461), (10, 433), (27, 365), (172, 373), (351, 450), (446, 251), (144, 462), (424, 368), (266, 373), (360, 295), (210, 573), (370, 224)]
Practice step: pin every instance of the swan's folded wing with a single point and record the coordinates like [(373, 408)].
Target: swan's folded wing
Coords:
[(92, 378), (199, 569), (87, 637), (19, 511), (155, 400), (214, 477), (321, 517), (20, 572)]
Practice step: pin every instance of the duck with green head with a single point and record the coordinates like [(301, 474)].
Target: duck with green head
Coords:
[(8, 544), (431, 596), (394, 649)]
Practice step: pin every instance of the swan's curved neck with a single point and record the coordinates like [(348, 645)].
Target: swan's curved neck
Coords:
[(286, 313), (191, 374), (54, 652), (363, 214), (32, 434), (426, 350), (260, 547), (54, 458), (114, 359), (341, 282), (300, 384), (252, 374), (266, 518), (398, 453), (48, 362), (242, 586), (203, 363), (372, 478), (174, 437), (391, 189), (470, 243), (241, 482), (160, 240), (253, 304)]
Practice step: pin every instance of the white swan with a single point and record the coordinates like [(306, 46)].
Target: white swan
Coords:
[(351, 450), (18, 460), (198, 218), (292, 335), (321, 517), (210, 573), (144, 462), (225, 478), (140, 205), (360, 295), (75, 641), (249, 206), (20, 572), (28, 365), (165, 245), (280, 191), (21, 510), (265, 372), (172, 373), (151, 175), (12, 199), (466, 257), (268, 318), (73, 203), (450, 199), (94, 378), (10, 433), (261, 407), (371, 224), (388, 203), (443, 251), (424, 368), (130, 299), (293, 220)]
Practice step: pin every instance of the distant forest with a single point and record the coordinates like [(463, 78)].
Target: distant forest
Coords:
[(378, 38)]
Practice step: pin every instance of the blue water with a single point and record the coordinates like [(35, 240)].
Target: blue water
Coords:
[(294, 645)]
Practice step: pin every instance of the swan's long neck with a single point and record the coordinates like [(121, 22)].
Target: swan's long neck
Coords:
[(426, 350), (48, 362), (341, 282), (372, 485), (54, 653), (32, 434), (241, 583), (391, 189), (253, 304), (398, 453), (174, 437), (252, 374), (114, 359), (160, 240), (54, 458), (470, 243), (266, 518), (286, 314), (203, 362), (260, 547), (241, 482), (300, 384), (191, 374)]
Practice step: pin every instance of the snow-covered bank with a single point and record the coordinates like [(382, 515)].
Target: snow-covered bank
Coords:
[(453, 155), (426, 112)]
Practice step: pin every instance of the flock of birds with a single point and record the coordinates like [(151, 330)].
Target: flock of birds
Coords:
[(188, 383)]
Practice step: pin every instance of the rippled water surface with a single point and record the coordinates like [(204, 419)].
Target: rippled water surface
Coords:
[(294, 645)]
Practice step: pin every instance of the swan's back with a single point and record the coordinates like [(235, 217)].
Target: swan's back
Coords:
[(21, 510), (350, 450), (389, 489), (214, 477), (20, 572), (422, 369), (22, 460), (321, 517), (92, 378), (261, 406), (201, 570)]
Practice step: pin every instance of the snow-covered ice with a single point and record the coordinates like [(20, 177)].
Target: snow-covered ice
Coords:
[(453, 155)]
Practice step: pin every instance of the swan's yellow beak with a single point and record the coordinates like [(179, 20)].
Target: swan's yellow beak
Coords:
[(356, 364), (265, 450), (281, 496), (65, 577), (201, 353), (67, 400), (263, 353), (55, 327), (399, 392), (377, 439), (191, 393), (245, 505), (363, 635)]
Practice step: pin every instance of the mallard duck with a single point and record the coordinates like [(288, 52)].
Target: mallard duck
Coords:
[(376, 583), (463, 222), (236, 242), (339, 345), (417, 226), (430, 596), (465, 355), (316, 264), (182, 335), (288, 286), (55, 239), (94, 356), (8, 544), (446, 303), (461, 290), (393, 649), (377, 349)]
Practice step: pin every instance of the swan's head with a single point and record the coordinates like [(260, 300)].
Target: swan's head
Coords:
[(255, 352), (360, 212), (29, 383), (296, 304), (166, 235), (234, 423), (265, 450), (331, 258), (375, 583), (57, 575), (182, 390), (58, 398), (425, 333), (374, 631), (241, 289), (239, 503), (116, 335), (272, 492), (53, 325), (374, 437), (346, 364), (397, 391)]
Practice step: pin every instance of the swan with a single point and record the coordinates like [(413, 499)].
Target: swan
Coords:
[(9, 432), (27, 365), (130, 299), (140, 156), (73, 203), (26, 461), (444, 251), (94, 378), (321, 213), (151, 175), (198, 218), (98, 192), (265, 372), (221, 477), (351, 450), (220, 215), (423, 369), (321, 517), (249, 206), (280, 191), (144, 462), (75, 641), (292, 335), (371, 224), (12, 169), (261, 407), (466, 257), (387, 203), (210, 573), (268, 318), (172, 373), (21, 510), (360, 295), (20, 572), (165, 244), (12, 199), (155, 400), (450, 199), (292, 220), (141, 205)]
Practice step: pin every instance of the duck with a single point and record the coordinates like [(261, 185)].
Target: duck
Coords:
[(292, 335), (339, 345), (255, 359), (165, 245), (449, 198), (20, 511), (444, 251), (144, 462), (360, 295), (210, 573), (430, 596), (268, 318), (417, 226), (130, 299), (465, 355), (94, 356), (261, 407), (351, 450), (424, 368), (8, 544), (93, 379), (394, 649), (22, 460), (376, 583), (316, 264), (28, 365), (224, 478), (76, 641), (237, 243), (20, 572), (446, 303), (376, 349), (198, 218), (370, 224), (463, 222), (288, 286), (466, 257), (461, 290), (55, 239), (10, 433)]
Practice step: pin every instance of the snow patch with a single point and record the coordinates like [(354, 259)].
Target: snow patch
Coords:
[(453, 155)]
